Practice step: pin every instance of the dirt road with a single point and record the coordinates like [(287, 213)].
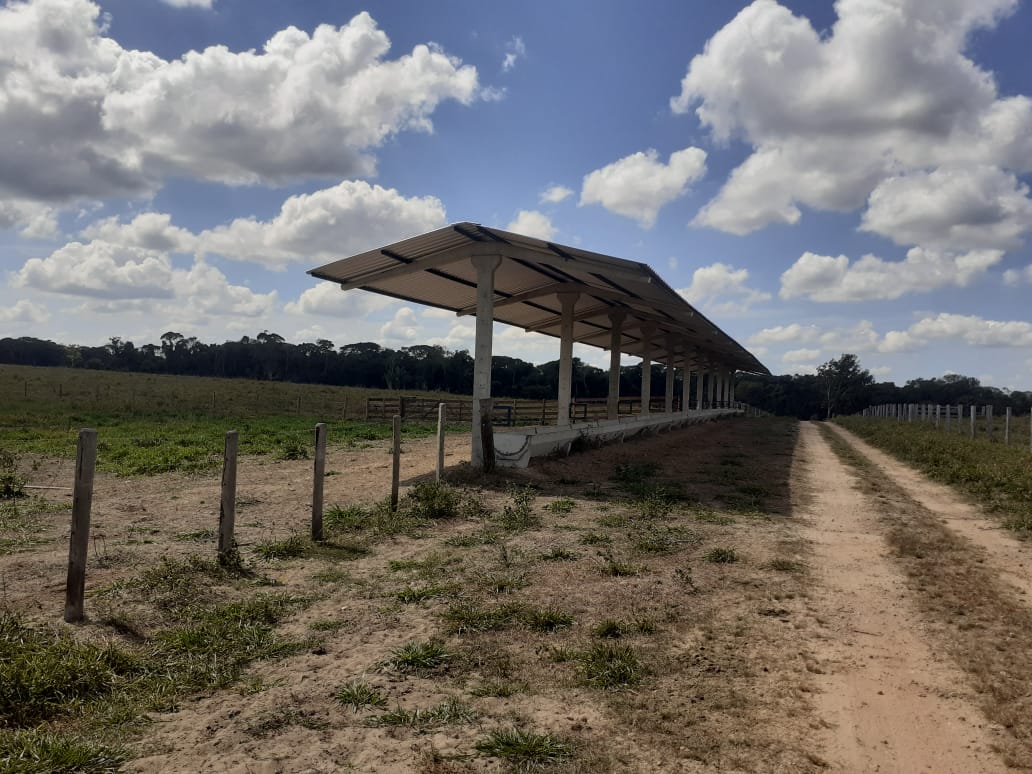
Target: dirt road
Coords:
[(888, 699)]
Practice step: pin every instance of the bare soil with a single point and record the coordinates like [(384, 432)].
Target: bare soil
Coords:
[(816, 650)]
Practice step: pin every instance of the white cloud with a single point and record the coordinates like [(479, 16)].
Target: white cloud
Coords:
[(148, 230), (514, 51), (325, 225), (99, 270), (461, 335), (1016, 277), (328, 300), (83, 117), (24, 311), (800, 355), (403, 328), (827, 278), (959, 207), (532, 223), (972, 330), (637, 186), (555, 194), (33, 220), (189, 3), (888, 94), (721, 289), (782, 334), (880, 371)]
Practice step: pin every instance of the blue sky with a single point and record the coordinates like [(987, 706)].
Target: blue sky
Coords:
[(818, 178)]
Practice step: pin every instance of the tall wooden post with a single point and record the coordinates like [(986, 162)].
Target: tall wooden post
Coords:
[(441, 408), (227, 506), (972, 421), (989, 422), (318, 479), (396, 462), (1006, 427), (78, 543)]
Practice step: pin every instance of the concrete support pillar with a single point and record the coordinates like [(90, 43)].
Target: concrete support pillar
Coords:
[(731, 387), (485, 266), (727, 388), (700, 388), (646, 368), (686, 388), (668, 394), (712, 387), (568, 301), (616, 319)]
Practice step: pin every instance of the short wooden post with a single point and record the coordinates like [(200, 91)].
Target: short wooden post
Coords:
[(345, 407), (78, 543), (213, 401), (441, 409), (936, 416), (989, 422), (299, 405), (1006, 427), (542, 411), (972, 421), (227, 506), (487, 432), (396, 462), (318, 479)]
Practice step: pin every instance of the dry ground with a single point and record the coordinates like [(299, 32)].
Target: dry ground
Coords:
[(820, 647)]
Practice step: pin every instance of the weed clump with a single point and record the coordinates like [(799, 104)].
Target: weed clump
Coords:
[(38, 750), (419, 656), (433, 500), (722, 556), (518, 514), (606, 665), (525, 749), (12, 483), (293, 547), (358, 693)]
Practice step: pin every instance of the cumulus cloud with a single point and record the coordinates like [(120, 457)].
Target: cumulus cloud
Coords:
[(639, 185), (83, 117), (959, 207), (800, 355), (834, 278), (781, 334), (532, 223), (555, 194), (514, 51), (971, 329), (31, 219), (325, 225), (148, 230), (721, 289), (885, 104), (402, 328), (1016, 277), (858, 337), (189, 3), (132, 278), (328, 300), (24, 311)]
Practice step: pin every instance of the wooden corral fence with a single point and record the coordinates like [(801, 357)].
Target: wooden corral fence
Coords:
[(508, 412), (970, 420)]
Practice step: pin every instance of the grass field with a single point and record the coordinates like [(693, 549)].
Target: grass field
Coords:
[(997, 476), (626, 594), (151, 424)]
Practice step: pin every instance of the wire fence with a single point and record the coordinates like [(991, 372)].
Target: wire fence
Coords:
[(973, 421)]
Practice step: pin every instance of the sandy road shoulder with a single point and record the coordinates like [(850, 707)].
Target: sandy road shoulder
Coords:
[(886, 702), (1009, 557)]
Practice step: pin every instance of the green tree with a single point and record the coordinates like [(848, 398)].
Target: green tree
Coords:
[(844, 385)]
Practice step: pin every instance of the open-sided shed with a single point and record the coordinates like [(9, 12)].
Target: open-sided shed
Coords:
[(572, 294)]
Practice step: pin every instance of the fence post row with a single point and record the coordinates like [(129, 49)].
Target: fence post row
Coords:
[(78, 542)]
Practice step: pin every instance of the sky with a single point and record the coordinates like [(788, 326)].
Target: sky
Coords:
[(816, 177)]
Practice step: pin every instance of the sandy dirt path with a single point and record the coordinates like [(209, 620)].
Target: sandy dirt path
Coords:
[(887, 702), (1010, 558)]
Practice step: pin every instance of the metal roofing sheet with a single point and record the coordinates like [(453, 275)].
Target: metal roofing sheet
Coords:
[(434, 269)]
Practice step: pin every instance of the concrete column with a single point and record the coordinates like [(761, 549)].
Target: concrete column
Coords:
[(727, 388), (646, 368), (712, 387), (568, 301), (616, 319), (668, 405), (731, 386), (700, 388), (686, 388), (485, 266)]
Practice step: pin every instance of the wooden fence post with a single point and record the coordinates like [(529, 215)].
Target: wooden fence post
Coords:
[(227, 505), (972, 421), (1006, 427), (78, 543), (396, 462), (441, 409), (989, 422), (318, 479)]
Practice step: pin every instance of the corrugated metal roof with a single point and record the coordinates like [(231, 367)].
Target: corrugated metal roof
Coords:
[(434, 269)]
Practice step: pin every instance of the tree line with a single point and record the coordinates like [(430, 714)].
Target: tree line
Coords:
[(840, 386)]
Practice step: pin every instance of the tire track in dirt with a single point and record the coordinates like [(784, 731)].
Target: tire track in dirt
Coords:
[(1011, 559), (887, 701)]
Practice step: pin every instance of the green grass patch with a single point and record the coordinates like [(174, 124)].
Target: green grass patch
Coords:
[(525, 750), (559, 554), (606, 665), (450, 711), (423, 656), (561, 506), (38, 751), (358, 694), (721, 555)]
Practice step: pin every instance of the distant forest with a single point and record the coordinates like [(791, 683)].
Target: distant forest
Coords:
[(841, 386)]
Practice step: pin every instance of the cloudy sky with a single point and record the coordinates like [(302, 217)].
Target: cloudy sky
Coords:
[(818, 178)]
